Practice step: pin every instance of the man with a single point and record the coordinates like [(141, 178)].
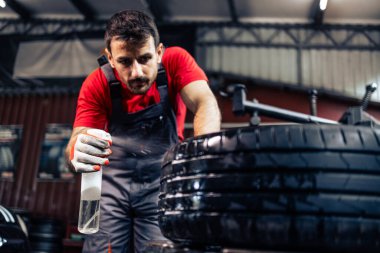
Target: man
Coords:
[(140, 113)]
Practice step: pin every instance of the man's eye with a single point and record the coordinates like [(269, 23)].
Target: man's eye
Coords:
[(144, 59), (125, 62)]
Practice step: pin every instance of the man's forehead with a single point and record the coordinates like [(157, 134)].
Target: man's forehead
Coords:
[(131, 45)]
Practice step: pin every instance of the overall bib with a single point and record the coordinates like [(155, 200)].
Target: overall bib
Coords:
[(130, 187)]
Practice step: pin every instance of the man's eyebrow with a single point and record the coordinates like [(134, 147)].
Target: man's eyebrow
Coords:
[(123, 58), (146, 55)]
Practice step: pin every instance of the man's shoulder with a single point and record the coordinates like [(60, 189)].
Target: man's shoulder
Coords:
[(175, 52), (175, 49), (95, 77), (175, 57), (96, 73)]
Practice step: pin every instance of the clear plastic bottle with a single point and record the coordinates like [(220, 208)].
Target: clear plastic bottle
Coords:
[(89, 211)]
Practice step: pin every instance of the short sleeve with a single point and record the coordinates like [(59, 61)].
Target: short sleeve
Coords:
[(182, 68), (93, 107)]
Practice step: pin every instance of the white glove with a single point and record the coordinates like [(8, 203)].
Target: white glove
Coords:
[(91, 150)]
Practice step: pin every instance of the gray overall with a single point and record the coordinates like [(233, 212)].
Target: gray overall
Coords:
[(128, 218)]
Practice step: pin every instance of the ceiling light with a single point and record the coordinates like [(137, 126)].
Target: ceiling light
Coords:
[(323, 4), (3, 3)]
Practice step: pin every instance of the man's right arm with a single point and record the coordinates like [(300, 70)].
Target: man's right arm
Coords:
[(86, 151)]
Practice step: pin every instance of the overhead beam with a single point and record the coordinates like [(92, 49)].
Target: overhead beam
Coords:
[(14, 27), (232, 8), (20, 9), (296, 40), (44, 28), (85, 9)]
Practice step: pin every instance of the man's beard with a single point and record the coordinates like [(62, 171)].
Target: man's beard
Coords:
[(139, 85)]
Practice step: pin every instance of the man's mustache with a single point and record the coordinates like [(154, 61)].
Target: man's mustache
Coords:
[(139, 80)]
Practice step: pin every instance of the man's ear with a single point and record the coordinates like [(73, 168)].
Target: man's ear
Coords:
[(109, 56), (160, 52)]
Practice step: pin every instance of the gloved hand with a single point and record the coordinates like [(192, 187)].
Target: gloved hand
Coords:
[(91, 150)]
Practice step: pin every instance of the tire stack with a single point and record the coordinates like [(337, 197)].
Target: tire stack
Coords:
[(46, 236), (313, 188)]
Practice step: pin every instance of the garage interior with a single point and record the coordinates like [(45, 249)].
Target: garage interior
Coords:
[(315, 57)]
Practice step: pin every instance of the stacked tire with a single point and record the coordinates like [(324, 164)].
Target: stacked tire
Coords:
[(301, 187), (13, 232), (46, 235)]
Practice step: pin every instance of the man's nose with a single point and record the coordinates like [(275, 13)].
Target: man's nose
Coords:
[(136, 70)]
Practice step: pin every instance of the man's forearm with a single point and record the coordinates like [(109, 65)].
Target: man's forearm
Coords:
[(207, 118), (199, 99)]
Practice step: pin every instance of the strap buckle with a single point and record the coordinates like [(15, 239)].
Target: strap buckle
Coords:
[(102, 60)]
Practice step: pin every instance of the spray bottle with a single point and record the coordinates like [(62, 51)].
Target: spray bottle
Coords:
[(91, 185)]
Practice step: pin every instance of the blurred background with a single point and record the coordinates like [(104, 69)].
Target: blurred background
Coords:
[(280, 49)]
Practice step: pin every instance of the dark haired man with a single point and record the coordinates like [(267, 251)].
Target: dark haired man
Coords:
[(144, 114)]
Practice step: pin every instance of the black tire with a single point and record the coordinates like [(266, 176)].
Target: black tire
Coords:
[(13, 239), (46, 236), (272, 181), (272, 203), (283, 176), (274, 232), (169, 247), (321, 147)]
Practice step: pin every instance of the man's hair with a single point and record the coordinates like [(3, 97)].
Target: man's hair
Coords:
[(132, 26)]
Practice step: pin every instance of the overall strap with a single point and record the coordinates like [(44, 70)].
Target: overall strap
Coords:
[(113, 83), (162, 83)]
